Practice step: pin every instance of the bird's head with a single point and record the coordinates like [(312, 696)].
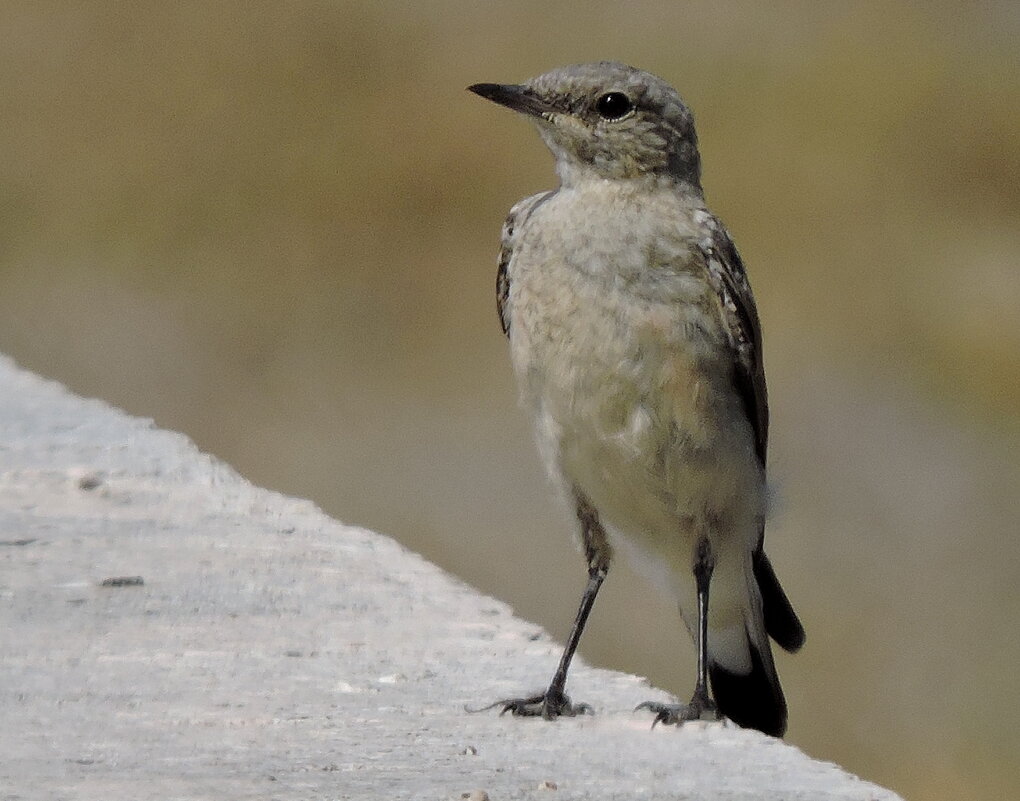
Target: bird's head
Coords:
[(607, 120)]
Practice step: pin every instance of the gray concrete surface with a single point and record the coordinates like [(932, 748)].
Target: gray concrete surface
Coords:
[(272, 652)]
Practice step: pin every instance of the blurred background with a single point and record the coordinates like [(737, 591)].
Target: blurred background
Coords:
[(273, 226)]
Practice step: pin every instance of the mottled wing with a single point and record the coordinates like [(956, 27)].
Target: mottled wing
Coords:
[(726, 272), (728, 278), (512, 227), (503, 283)]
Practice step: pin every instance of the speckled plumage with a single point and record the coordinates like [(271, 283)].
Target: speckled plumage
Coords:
[(636, 343)]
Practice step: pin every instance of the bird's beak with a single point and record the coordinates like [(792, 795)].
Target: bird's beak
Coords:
[(514, 96)]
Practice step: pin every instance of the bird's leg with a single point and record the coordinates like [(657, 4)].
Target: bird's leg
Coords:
[(703, 567), (701, 706), (554, 702)]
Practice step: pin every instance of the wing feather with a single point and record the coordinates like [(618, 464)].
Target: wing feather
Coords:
[(511, 234), (740, 314), (729, 279)]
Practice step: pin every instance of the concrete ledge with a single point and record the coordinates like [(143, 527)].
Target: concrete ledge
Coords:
[(167, 630)]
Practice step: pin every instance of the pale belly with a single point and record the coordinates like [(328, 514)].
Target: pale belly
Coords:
[(639, 413), (624, 363), (675, 464)]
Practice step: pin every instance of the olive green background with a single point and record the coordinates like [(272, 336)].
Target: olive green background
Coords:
[(273, 226)]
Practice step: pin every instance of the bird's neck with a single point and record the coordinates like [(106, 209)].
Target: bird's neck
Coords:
[(576, 176)]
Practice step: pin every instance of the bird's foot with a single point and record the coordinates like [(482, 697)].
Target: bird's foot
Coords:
[(549, 705), (701, 707)]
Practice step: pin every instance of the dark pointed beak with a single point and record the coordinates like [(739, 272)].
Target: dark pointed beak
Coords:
[(513, 96)]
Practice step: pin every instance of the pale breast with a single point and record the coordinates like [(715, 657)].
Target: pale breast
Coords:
[(622, 357)]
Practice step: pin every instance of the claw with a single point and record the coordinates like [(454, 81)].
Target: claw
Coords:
[(678, 714), (546, 705)]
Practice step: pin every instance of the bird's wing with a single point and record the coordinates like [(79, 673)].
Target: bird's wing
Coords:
[(740, 315), (726, 273), (512, 227)]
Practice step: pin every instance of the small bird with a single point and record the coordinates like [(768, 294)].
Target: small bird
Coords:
[(636, 343)]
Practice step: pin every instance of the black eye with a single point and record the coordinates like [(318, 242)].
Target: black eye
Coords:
[(613, 105)]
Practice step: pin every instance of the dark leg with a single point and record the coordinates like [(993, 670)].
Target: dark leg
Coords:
[(701, 707), (554, 702)]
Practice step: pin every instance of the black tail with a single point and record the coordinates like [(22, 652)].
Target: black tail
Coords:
[(753, 700), (781, 622)]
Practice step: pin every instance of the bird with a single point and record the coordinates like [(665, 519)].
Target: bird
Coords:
[(636, 344)]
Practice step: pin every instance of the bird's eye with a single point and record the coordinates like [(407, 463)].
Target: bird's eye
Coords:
[(613, 105)]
